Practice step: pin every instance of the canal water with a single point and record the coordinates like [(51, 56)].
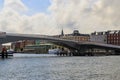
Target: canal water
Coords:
[(51, 67)]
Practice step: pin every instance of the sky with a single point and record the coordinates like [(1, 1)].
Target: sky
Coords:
[(36, 6), (1, 4), (49, 17)]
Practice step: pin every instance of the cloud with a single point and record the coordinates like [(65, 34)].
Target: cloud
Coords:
[(85, 15), (13, 18), (15, 5)]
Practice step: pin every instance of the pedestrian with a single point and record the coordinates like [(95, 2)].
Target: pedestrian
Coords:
[(4, 51)]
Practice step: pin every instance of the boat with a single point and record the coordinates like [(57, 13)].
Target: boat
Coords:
[(54, 51)]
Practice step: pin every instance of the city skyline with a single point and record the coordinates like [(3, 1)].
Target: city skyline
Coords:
[(51, 16)]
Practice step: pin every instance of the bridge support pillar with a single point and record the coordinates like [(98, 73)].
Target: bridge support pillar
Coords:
[(109, 52), (117, 52), (0, 47)]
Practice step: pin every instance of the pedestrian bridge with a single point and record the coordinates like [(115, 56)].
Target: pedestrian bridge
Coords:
[(12, 37)]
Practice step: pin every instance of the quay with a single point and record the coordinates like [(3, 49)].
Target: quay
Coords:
[(6, 55)]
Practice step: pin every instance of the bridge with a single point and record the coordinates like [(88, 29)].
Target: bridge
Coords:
[(80, 48)]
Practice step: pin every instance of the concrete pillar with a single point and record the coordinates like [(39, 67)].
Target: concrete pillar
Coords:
[(0, 47), (107, 52)]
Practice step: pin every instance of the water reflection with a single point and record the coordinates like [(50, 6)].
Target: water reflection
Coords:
[(51, 67), (33, 55)]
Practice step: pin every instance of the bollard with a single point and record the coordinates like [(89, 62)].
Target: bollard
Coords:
[(6, 54), (2, 55)]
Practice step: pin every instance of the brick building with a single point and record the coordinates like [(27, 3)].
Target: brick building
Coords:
[(76, 36), (113, 37), (17, 46), (108, 37)]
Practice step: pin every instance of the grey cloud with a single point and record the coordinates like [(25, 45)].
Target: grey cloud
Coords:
[(85, 15), (91, 15)]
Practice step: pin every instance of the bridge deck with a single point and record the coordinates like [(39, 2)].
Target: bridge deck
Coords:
[(15, 37)]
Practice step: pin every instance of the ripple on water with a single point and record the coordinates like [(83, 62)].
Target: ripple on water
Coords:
[(60, 68)]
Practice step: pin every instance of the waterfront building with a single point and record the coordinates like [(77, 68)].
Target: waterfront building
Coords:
[(6, 45), (113, 37), (28, 42), (31, 46), (41, 48), (19, 45), (76, 36), (100, 37), (108, 37)]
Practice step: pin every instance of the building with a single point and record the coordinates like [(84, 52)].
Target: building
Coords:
[(100, 37), (2, 34), (76, 36), (108, 37), (31, 46), (19, 45), (113, 37), (41, 48)]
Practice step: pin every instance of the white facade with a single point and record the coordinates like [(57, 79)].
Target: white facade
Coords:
[(98, 38), (2, 34)]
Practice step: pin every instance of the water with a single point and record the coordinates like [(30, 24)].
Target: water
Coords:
[(50, 67)]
